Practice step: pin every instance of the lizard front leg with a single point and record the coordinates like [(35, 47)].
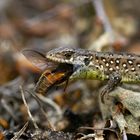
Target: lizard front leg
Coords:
[(114, 80)]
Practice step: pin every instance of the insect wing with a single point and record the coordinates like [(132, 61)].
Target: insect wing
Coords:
[(38, 59)]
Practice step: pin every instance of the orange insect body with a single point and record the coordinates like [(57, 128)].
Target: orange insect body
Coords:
[(53, 73), (47, 80)]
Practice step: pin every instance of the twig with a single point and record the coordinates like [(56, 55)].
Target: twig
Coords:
[(99, 129), (28, 110), (90, 128), (51, 103), (100, 11), (18, 134), (88, 136), (42, 110), (124, 136)]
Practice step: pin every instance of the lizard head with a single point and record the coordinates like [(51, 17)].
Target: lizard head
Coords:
[(72, 56)]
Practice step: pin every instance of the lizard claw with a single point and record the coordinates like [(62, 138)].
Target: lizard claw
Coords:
[(114, 80)]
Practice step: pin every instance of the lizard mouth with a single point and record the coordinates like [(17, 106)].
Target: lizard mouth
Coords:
[(59, 75), (67, 69), (53, 71), (58, 60)]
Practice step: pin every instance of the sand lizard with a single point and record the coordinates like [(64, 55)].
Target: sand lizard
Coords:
[(114, 67)]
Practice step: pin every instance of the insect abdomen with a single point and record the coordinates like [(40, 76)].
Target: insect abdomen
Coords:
[(42, 85)]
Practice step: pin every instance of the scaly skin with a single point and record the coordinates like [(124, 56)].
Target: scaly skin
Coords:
[(115, 67), (99, 65)]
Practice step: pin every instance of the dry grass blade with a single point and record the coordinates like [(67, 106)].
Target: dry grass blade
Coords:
[(88, 137), (42, 110), (17, 136), (99, 7), (51, 103), (28, 110), (124, 136)]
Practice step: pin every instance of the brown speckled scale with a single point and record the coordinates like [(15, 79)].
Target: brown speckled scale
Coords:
[(115, 67), (127, 66)]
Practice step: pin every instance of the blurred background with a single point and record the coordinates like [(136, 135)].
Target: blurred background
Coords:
[(100, 25)]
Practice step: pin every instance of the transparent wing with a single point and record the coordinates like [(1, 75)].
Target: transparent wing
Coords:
[(38, 59)]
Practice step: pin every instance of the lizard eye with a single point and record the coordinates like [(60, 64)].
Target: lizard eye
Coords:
[(68, 55), (86, 61)]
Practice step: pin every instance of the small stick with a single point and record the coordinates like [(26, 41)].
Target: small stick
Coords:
[(28, 110), (51, 103), (88, 136), (124, 136), (18, 134), (98, 129), (90, 128), (42, 110), (100, 11), (101, 14)]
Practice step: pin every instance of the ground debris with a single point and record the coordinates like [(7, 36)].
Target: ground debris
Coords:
[(65, 110), (40, 135)]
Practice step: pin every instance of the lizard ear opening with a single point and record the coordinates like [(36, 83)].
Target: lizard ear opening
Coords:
[(86, 61)]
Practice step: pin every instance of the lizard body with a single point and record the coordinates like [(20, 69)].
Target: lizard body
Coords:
[(115, 67), (99, 65)]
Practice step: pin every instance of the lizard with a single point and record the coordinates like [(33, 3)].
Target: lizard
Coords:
[(115, 68)]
